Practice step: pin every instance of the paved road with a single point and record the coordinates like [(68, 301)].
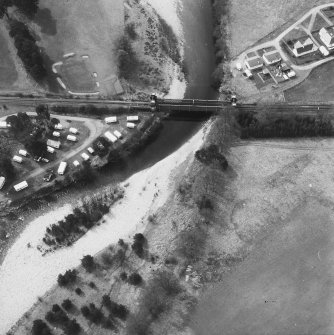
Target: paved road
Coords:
[(96, 128)]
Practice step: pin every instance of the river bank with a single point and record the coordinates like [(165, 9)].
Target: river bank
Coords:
[(145, 193)]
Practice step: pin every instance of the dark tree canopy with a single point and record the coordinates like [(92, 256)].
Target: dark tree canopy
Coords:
[(40, 328), (28, 7)]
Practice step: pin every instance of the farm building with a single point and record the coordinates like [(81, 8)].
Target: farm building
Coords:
[(17, 159), (132, 118), (53, 144), (254, 63), (21, 186), (73, 130), (71, 138), (303, 47), (130, 125), (117, 134), (3, 124), (2, 182), (327, 36), (84, 156), (62, 168), (272, 57), (110, 137), (23, 153), (111, 119)]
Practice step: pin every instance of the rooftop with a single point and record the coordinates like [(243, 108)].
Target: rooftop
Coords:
[(273, 56)]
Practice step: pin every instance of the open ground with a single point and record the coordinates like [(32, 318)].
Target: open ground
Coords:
[(277, 217)]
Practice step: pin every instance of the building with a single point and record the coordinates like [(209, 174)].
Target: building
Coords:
[(71, 138), (73, 130), (76, 163), (90, 150), (272, 57), (59, 126), (303, 47), (84, 156), (17, 159), (2, 182), (21, 186), (130, 125), (3, 125), (62, 168), (50, 150), (117, 134), (53, 144), (327, 37), (56, 134), (111, 119), (132, 118), (254, 63), (23, 153), (110, 137)]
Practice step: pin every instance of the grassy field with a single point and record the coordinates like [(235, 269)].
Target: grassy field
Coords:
[(318, 86), (84, 27), (261, 17), (76, 76)]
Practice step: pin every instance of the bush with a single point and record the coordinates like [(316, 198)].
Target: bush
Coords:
[(85, 311), (40, 328), (127, 60), (72, 327), (67, 304), (69, 277), (138, 245), (124, 276), (78, 291), (135, 279), (210, 155), (88, 263)]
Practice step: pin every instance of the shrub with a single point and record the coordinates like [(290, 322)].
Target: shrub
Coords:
[(211, 155), (88, 263), (138, 245), (92, 285), (72, 327), (67, 304), (124, 276), (127, 60), (78, 291), (191, 243), (69, 277), (85, 311), (135, 279), (40, 328)]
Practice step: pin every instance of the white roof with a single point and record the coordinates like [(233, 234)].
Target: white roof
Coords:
[(23, 152), (84, 156), (2, 182), (76, 163), (90, 150), (21, 186), (112, 138), (73, 130), (118, 134)]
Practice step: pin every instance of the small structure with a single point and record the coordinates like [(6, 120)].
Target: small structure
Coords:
[(303, 47), (59, 126), (84, 156), (56, 134), (291, 74), (3, 125), (132, 118), (50, 150), (23, 153), (62, 168), (110, 119), (130, 125), (272, 57), (327, 36), (53, 144), (21, 186), (71, 138), (248, 73), (117, 134), (254, 63), (2, 182), (324, 51), (17, 159), (90, 150), (76, 163), (73, 130), (110, 137)]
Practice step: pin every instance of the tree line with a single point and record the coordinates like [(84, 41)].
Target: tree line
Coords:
[(27, 49), (293, 126), (27, 7)]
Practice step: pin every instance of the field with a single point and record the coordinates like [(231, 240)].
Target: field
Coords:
[(63, 28), (260, 18), (77, 76), (318, 86), (277, 219)]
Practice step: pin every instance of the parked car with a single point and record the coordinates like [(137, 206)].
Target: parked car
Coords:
[(233, 100), (48, 176)]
